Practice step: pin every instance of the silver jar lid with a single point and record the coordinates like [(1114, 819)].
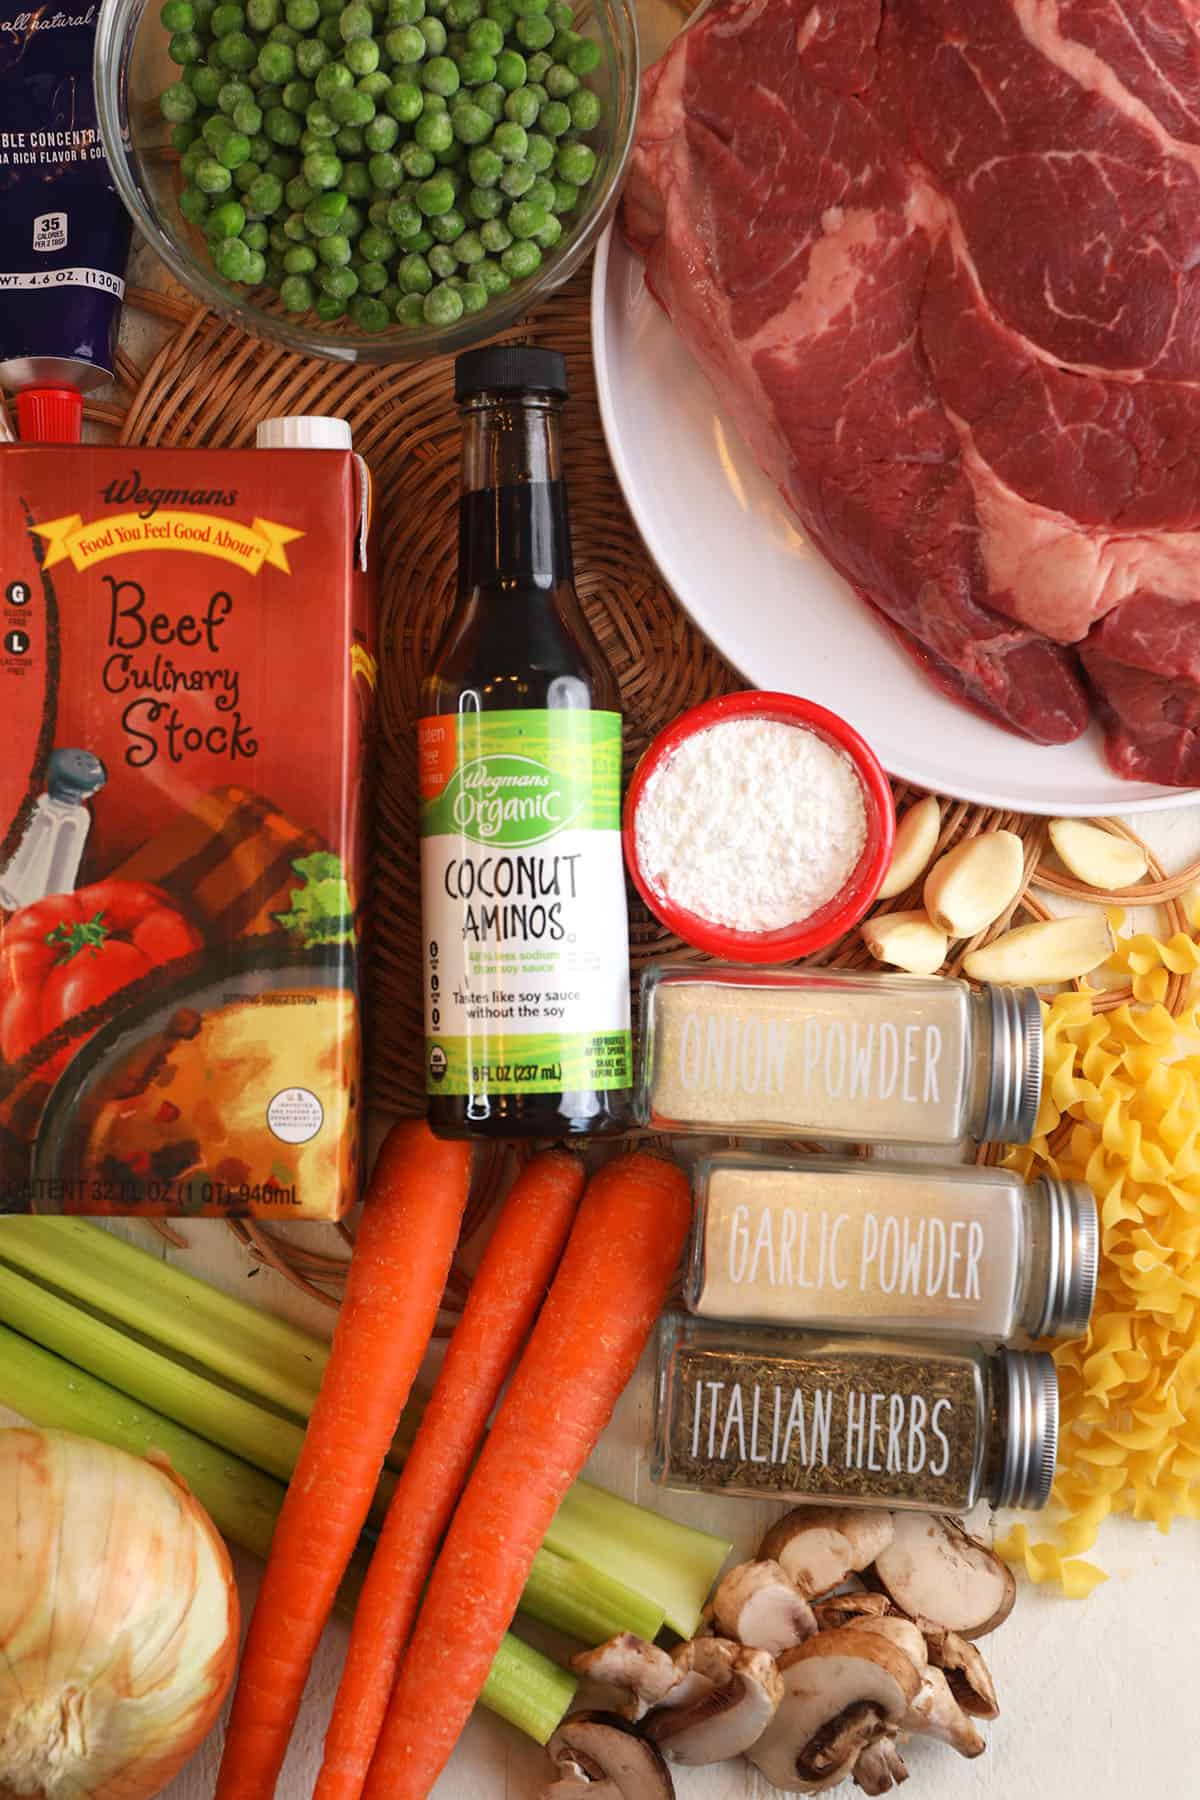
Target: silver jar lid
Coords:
[(1072, 1234), (1014, 1091), (1028, 1394)]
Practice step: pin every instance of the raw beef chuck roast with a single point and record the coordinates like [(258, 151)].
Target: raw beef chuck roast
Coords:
[(941, 260)]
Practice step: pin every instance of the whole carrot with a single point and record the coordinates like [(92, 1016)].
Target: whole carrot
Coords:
[(614, 1277), (410, 1224), (508, 1288)]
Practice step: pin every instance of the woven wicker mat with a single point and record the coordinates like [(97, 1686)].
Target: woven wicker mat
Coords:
[(212, 384)]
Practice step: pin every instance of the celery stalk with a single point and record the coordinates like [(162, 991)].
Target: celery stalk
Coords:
[(524, 1686), (527, 1689), (585, 1604), (672, 1565)]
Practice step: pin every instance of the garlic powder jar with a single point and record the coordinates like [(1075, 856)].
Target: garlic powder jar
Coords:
[(873, 1058)]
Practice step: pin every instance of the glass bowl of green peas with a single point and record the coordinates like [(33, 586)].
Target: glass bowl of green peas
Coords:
[(369, 180)]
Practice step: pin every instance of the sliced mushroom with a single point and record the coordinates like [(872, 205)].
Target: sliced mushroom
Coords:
[(842, 1609), (933, 1571), (880, 1767), (757, 1605), (967, 1675), (608, 1750), (641, 1670), (743, 1690), (842, 1690), (906, 1636), (936, 1713), (818, 1546)]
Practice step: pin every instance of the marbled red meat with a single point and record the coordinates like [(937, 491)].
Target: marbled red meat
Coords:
[(941, 261)]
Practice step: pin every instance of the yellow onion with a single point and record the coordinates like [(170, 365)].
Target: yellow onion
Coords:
[(118, 1621)]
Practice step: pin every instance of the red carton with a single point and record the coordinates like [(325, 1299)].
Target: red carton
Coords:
[(187, 669)]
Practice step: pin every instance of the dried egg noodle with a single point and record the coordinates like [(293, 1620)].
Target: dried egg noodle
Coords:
[(1121, 1110)]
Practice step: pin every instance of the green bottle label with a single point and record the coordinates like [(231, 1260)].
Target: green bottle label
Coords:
[(523, 903)]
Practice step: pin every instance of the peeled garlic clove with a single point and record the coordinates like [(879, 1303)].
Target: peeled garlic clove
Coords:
[(1097, 857), (1052, 950), (916, 841), (906, 940), (967, 889)]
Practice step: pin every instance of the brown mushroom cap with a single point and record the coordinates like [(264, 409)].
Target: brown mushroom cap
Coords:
[(757, 1604), (841, 1691), (931, 1570), (906, 1636), (967, 1674), (818, 1546), (744, 1689), (608, 1749)]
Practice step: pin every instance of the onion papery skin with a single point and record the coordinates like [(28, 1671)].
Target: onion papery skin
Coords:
[(118, 1621)]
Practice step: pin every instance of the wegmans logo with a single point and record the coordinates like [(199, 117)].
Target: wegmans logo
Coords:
[(509, 799)]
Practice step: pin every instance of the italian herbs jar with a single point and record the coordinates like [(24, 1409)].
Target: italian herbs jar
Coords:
[(854, 1419), (813, 1052), (952, 1251)]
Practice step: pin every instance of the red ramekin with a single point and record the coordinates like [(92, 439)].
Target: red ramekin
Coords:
[(839, 914)]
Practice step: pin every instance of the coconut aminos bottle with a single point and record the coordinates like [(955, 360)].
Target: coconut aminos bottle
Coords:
[(524, 924)]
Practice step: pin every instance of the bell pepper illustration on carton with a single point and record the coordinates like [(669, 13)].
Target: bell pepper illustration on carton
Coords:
[(187, 665)]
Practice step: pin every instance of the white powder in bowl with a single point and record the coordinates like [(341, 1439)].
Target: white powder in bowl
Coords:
[(751, 824)]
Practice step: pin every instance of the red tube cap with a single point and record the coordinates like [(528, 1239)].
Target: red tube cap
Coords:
[(50, 415)]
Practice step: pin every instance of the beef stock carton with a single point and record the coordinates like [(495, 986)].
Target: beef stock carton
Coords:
[(187, 674)]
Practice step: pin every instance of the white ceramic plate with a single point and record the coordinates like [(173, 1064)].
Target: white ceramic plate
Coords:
[(732, 553)]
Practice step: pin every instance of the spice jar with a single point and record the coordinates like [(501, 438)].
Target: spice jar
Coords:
[(860, 1420), (822, 1241), (866, 1058)]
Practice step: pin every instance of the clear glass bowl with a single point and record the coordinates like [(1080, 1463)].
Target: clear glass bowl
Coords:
[(132, 69)]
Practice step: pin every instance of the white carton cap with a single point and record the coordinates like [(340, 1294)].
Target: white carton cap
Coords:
[(304, 432)]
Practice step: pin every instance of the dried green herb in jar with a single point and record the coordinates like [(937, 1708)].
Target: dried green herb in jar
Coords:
[(852, 1419)]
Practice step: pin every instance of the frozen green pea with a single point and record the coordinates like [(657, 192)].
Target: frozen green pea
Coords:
[(256, 234), (234, 150), (537, 64), (185, 47), (417, 163), (551, 231), (226, 19), (362, 56), (205, 83), (566, 195), (332, 79), (256, 269), (522, 106), (517, 180), (295, 228), (231, 96), (350, 107), (535, 32), (355, 21), (262, 14), (264, 196), (526, 218), (554, 119), (182, 136), (244, 177), (191, 159), (213, 177), (510, 70), (476, 68), (376, 84), (403, 101), (349, 141), (376, 246), (356, 181), (490, 99), (435, 196), (405, 12), (495, 236), (236, 51), (585, 109), (576, 163), (539, 152), (322, 169), (329, 34), (277, 63), (509, 141), (386, 170), (298, 193), (381, 133), (562, 46), (434, 103), (441, 260), (403, 219), (470, 124), (247, 117), (542, 193), (539, 93), (447, 226), (215, 130), (372, 277), (434, 131), (405, 44), (282, 33), (443, 306), (228, 220), (296, 292), (560, 82), (352, 221), (323, 215), (298, 96), (328, 308), (584, 58), (178, 15), (492, 277), (485, 203), (485, 35), (521, 260), (420, 243), (319, 119), (434, 34), (485, 166), (469, 248), (334, 251), (391, 297), (311, 57), (369, 313), (339, 282), (474, 296), (301, 15), (461, 14), (410, 310), (193, 205), (561, 15), (178, 103), (502, 12), (413, 275), (282, 126), (231, 258), (440, 76)]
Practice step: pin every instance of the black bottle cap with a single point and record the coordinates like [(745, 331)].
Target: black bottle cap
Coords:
[(510, 369)]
